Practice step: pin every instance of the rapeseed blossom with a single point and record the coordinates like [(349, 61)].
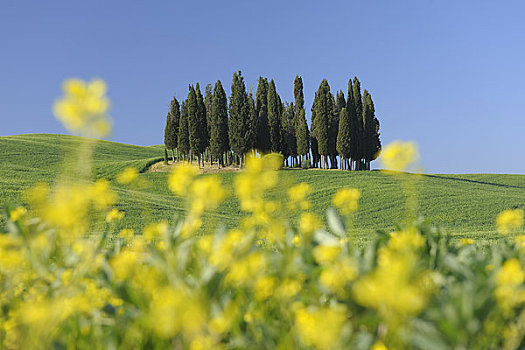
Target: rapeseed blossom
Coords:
[(180, 179), (347, 200), (127, 176), (508, 220), (320, 327), (509, 284), (399, 155), (17, 214), (83, 108)]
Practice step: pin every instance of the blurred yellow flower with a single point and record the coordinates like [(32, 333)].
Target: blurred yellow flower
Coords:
[(17, 214), (297, 195), (180, 179), (126, 233), (83, 108), (127, 176), (321, 327), (346, 200), (466, 241), (309, 223), (378, 345), (206, 193), (398, 155), (325, 254), (509, 280), (155, 230), (509, 220), (114, 215), (103, 196)]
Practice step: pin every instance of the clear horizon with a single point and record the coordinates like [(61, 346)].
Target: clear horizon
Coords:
[(446, 75)]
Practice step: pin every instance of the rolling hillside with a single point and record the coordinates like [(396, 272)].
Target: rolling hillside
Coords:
[(464, 205)]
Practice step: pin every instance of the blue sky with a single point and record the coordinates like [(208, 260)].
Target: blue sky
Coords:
[(446, 74)]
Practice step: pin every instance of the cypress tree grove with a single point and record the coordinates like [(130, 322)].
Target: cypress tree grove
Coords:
[(274, 117), (298, 94), (169, 134), (239, 123), (219, 139), (359, 129), (262, 139), (320, 126), (372, 141), (183, 139), (288, 129), (343, 136)]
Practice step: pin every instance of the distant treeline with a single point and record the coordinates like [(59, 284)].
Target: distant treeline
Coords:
[(209, 128)]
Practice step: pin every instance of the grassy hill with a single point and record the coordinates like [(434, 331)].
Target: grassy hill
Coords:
[(464, 205)]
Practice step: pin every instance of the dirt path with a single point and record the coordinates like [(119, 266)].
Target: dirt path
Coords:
[(208, 169)]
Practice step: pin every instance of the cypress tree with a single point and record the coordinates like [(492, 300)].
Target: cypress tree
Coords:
[(252, 122), (371, 130), (274, 117), (169, 134), (333, 125), (193, 125), (207, 102), (320, 126), (350, 109), (183, 140), (301, 126), (262, 139), (219, 140), (343, 136), (239, 128), (289, 133), (303, 142), (359, 129), (175, 114), (202, 126), (313, 137), (298, 94)]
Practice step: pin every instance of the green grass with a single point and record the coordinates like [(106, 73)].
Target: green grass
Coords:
[(463, 205)]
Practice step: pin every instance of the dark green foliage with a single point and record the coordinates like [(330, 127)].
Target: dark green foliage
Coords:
[(239, 127), (358, 125), (219, 139), (207, 103), (170, 139), (340, 102), (183, 138), (288, 138), (372, 141), (343, 135), (252, 122), (274, 117), (202, 123), (165, 156), (333, 125), (298, 93), (303, 142), (350, 110), (323, 110), (262, 139)]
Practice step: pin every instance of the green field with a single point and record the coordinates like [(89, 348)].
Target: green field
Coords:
[(463, 205)]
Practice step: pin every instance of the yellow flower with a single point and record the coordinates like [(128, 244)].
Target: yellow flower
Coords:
[(206, 193), (126, 233), (320, 328), (509, 280), (180, 179), (103, 196), (347, 200), (83, 108), (325, 254), (297, 195), (309, 223), (398, 155), (246, 269), (153, 231), (409, 239), (16, 214), (124, 264), (334, 277), (520, 241), (378, 345), (114, 214), (264, 287), (127, 176), (509, 220), (466, 241)]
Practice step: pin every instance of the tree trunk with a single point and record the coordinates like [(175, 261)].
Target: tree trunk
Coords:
[(172, 155)]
